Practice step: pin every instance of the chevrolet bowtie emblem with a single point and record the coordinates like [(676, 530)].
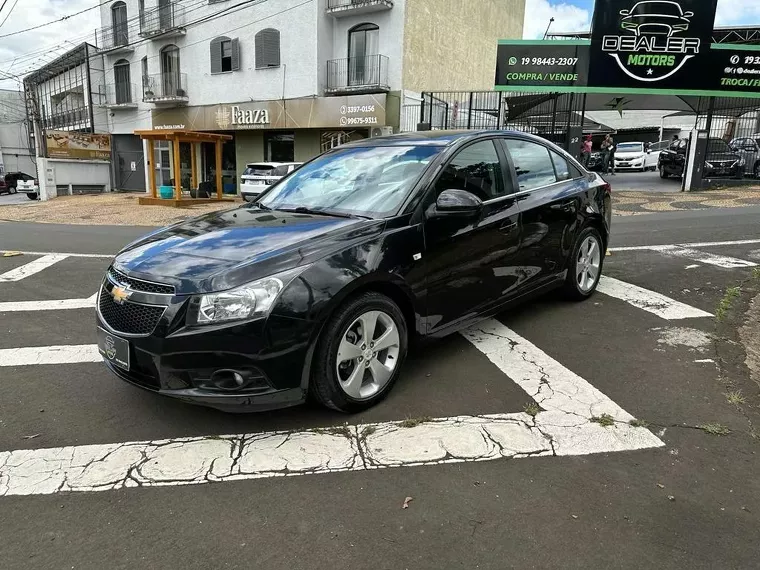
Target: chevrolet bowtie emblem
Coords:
[(120, 294)]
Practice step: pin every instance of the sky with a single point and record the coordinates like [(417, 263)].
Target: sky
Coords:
[(22, 53)]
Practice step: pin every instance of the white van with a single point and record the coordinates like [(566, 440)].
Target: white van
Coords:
[(260, 175)]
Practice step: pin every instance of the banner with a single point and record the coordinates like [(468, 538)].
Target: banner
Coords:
[(82, 146), (652, 44), (542, 64)]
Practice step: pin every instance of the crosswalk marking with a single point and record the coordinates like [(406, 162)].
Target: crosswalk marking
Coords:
[(704, 257), (32, 267), (67, 354), (67, 254), (649, 301), (61, 304), (563, 428)]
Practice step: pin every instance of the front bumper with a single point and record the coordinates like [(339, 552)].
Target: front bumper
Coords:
[(180, 362)]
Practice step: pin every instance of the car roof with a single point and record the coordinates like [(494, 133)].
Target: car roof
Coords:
[(272, 164), (432, 138)]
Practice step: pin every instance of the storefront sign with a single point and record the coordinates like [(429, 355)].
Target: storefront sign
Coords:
[(542, 64), (83, 146), (662, 44), (316, 112)]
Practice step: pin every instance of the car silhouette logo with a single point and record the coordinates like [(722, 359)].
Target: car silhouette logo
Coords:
[(656, 17)]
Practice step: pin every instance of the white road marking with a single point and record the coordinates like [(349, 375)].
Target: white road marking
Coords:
[(93, 255), (32, 267), (705, 258), (564, 427), (70, 354), (693, 266), (687, 245), (649, 301), (62, 304)]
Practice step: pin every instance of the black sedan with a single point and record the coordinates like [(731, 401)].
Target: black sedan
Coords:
[(318, 287)]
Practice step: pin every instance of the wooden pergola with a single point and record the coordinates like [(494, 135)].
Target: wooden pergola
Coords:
[(176, 137)]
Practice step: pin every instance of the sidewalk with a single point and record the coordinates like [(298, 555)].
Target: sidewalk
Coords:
[(103, 209), (636, 203)]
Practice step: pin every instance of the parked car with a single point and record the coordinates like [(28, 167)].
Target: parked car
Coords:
[(749, 149), (720, 160), (319, 286), (260, 175), (596, 162), (22, 182), (635, 156)]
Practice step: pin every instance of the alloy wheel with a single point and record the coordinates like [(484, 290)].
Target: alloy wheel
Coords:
[(367, 355), (588, 264)]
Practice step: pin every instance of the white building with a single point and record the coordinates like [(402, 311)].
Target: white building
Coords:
[(16, 151), (286, 78)]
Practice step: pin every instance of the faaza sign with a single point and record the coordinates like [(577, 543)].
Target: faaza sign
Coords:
[(654, 43), (312, 112)]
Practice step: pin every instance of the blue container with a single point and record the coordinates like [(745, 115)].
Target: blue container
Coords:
[(166, 192)]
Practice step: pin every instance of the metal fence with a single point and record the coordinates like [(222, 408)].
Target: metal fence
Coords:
[(356, 74)]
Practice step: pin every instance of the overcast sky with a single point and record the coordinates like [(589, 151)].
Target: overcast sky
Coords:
[(20, 54)]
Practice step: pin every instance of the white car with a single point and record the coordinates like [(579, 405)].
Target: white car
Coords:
[(634, 156), (258, 176), (28, 186)]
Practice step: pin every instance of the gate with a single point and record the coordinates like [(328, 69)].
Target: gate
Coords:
[(129, 163)]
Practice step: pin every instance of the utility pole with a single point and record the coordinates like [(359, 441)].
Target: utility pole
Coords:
[(546, 33), (38, 130)]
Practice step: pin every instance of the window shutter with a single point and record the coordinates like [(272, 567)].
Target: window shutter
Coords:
[(216, 55), (235, 54), (268, 48)]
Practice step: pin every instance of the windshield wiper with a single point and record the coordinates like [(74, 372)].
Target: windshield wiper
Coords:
[(304, 210), (261, 206)]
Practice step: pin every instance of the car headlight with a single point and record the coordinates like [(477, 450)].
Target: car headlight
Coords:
[(708, 164), (250, 301)]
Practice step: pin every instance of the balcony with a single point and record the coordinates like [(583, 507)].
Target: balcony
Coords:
[(115, 39), (344, 8), (166, 89), (163, 22), (118, 96), (356, 75)]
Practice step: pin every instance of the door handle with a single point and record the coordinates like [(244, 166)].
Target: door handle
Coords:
[(508, 227)]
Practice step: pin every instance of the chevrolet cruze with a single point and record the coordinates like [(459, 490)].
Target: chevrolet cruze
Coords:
[(317, 288)]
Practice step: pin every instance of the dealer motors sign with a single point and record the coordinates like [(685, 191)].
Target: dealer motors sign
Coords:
[(651, 41)]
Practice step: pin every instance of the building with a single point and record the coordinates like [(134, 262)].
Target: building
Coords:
[(16, 150), (286, 78)]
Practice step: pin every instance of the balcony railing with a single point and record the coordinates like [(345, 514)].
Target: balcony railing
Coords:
[(115, 39), (165, 21), (118, 96), (339, 8), (165, 88), (73, 118), (367, 74)]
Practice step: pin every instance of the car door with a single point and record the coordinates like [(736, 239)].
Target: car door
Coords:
[(469, 260), (549, 198)]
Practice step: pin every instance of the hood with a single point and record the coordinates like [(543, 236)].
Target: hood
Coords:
[(225, 249), (629, 155), (721, 156)]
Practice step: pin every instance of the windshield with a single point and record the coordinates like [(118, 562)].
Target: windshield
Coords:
[(259, 170), (717, 145), (630, 147), (363, 181)]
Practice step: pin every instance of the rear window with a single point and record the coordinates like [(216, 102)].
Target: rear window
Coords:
[(258, 170), (280, 170)]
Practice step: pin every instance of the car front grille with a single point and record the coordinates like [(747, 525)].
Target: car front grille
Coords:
[(118, 278), (129, 318)]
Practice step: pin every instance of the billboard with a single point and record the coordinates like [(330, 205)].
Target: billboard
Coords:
[(82, 146)]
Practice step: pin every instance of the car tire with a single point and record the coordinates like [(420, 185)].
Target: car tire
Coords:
[(32, 195), (585, 265), (757, 170), (663, 173), (351, 385), (12, 190)]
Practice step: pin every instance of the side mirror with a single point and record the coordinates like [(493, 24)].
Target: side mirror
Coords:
[(458, 202)]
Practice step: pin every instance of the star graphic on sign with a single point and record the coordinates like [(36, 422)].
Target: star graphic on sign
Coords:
[(650, 71)]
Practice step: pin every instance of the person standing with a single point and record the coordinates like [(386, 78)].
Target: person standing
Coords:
[(586, 148), (606, 154), (612, 156)]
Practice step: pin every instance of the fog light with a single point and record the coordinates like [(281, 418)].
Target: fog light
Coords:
[(231, 380)]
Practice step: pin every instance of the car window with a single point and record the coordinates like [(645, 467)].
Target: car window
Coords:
[(563, 168), (533, 164), (476, 169), (279, 170), (258, 170)]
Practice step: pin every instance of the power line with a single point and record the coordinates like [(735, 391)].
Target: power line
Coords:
[(63, 19), (8, 14)]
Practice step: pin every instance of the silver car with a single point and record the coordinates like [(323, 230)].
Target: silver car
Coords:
[(749, 149)]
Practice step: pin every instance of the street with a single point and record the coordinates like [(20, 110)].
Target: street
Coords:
[(615, 433)]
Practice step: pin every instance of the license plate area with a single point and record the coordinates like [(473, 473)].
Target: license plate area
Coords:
[(114, 349)]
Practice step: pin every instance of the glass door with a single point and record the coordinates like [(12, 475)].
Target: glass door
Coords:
[(170, 78), (363, 46)]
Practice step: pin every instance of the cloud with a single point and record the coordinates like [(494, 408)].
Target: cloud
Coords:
[(567, 18), (738, 13), (32, 50)]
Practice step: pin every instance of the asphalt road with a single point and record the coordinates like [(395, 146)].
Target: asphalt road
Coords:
[(693, 503), (626, 181)]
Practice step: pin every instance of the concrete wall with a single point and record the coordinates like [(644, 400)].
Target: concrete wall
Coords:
[(308, 144), (14, 134), (249, 147), (450, 45), (55, 172)]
